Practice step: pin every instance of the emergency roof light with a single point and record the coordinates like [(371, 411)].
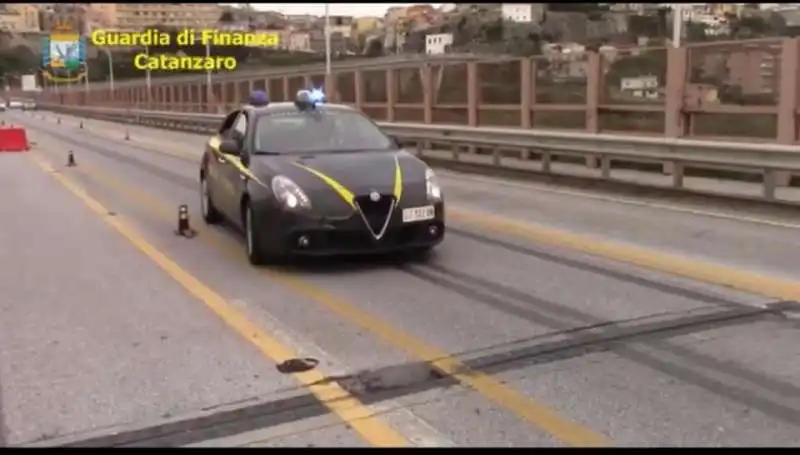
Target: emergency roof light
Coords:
[(309, 99), (259, 99)]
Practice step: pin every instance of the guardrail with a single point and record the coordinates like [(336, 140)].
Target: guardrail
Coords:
[(773, 161)]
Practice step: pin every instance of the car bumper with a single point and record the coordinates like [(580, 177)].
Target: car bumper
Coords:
[(299, 235)]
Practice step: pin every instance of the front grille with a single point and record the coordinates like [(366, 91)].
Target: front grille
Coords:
[(375, 213)]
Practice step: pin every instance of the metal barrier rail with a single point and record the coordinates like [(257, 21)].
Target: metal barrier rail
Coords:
[(773, 161)]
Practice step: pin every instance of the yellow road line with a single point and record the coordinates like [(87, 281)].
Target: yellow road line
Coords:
[(539, 415), (642, 257), (336, 399)]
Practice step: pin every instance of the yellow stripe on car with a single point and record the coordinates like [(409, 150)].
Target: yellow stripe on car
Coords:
[(348, 195), (215, 142), (340, 189), (398, 180)]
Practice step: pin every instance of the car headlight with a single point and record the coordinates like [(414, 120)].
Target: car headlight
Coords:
[(432, 187), (289, 194)]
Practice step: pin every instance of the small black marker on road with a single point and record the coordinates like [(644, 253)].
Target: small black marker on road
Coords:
[(127, 135), (184, 229), (71, 160), (59, 120), (81, 125)]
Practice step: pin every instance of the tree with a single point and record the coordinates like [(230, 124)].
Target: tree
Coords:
[(695, 31), (374, 48), (755, 26), (18, 60), (644, 26)]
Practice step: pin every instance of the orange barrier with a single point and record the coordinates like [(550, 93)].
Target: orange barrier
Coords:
[(13, 139)]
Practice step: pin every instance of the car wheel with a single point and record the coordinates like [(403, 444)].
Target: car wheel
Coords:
[(210, 213), (255, 251)]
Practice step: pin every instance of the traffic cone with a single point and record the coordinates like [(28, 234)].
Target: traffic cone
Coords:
[(71, 160), (184, 229)]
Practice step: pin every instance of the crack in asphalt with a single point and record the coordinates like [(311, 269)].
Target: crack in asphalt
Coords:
[(396, 381)]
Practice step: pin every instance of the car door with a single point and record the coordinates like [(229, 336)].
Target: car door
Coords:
[(217, 163), (232, 179)]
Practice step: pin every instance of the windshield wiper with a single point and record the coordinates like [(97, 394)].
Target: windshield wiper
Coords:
[(262, 152)]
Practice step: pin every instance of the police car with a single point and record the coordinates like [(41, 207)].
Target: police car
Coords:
[(308, 178)]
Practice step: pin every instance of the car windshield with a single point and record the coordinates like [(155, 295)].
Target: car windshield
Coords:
[(318, 131)]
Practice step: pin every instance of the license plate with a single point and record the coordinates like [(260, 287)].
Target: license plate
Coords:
[(414, 214)]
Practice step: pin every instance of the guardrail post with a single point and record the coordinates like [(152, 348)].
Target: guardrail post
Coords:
[(391, 93), (330, 87), (594, 78), (427, 93), (358, 80), (527, 79), (427, 101), (770, 184), (473, 97), (473, 94), (788, 99), (675, 120)]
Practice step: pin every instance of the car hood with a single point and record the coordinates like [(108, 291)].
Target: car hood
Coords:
[(359, 173)]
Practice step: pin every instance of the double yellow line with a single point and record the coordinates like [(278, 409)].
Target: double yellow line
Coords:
[(331, 395)]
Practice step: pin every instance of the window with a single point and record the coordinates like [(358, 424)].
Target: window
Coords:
[(318, 131), (240, 126), (228, 122)]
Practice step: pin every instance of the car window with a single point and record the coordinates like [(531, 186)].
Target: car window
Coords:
[(228, 122), (240, 125), (318, 131)]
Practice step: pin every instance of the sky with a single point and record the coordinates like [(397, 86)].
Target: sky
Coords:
[(348, 9)]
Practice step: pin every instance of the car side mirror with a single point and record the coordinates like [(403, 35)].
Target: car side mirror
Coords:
[(229, 147), (396, 142)]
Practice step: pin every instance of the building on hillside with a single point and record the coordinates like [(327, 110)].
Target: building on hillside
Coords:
[(138, 16), (298, 42), (438, 43), (69, 16), (27, 17), (338, 24), (523, 12), (364, 25), (640, 87)]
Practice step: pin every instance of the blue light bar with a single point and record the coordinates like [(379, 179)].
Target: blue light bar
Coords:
[(259, 98), (309, 99)]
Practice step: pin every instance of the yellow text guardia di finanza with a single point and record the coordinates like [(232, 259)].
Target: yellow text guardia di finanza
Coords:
[(187, 37)]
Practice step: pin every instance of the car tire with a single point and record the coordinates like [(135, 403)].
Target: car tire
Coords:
[(257, 254), (210, 213)]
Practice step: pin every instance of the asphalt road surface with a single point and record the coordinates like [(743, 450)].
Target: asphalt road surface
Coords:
[(548, 317)]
